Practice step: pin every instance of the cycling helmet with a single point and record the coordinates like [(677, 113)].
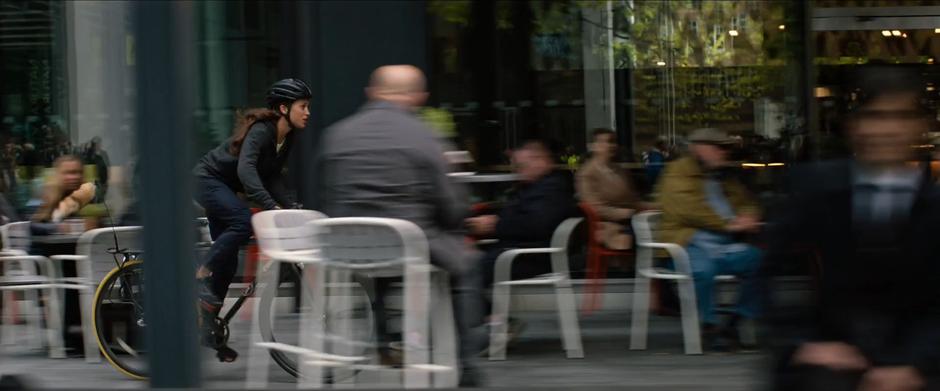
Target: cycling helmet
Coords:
[(287, 91)]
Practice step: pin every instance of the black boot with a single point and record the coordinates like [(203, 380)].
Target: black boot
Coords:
[(471, 377), (714, 339)]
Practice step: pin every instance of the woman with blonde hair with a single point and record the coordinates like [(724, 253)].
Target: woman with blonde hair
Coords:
[(62, 196)]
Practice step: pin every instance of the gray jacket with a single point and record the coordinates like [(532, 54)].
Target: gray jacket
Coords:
[(384, 161)]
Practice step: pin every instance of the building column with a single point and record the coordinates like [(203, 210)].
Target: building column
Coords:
[(597, 36)]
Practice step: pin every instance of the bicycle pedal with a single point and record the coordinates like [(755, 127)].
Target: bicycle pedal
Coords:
[(226, 354)]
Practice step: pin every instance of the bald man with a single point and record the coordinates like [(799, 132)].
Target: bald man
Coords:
[(383, 161)]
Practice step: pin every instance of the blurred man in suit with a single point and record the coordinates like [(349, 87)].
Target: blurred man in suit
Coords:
[(874, 321)]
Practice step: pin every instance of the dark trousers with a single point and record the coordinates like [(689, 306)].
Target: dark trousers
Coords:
[(465, 296), (230, 228), (72, 318)]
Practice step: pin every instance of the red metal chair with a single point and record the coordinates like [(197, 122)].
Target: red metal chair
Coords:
[(252, 255), (596, 252)]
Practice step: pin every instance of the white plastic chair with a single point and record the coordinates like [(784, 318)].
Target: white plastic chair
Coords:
[(47, 281), (282, 236), (384, 247), (92, 262), (645, 272), (16, 238), (560, 278)]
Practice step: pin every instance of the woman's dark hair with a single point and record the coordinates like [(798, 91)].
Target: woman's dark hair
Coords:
[(597, 132), (244, 119)]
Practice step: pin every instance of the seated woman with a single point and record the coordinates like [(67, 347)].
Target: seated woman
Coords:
[(609, 191), (63, 196)]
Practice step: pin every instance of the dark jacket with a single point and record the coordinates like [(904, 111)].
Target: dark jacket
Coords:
[(384, 161), (257, 170), (877, 288), (534, 210)]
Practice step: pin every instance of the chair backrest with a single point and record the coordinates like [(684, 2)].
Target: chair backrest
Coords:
[(370, 242), (16, 236), (285, 230), (562, 239), (644, 224), (95, 243)]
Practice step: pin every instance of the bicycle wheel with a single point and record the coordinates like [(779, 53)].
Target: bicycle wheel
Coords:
[(118, 316), (279, 322)]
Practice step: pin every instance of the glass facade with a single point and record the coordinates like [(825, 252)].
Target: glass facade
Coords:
[(648, 69)]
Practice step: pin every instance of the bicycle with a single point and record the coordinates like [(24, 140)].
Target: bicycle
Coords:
[(119, 316)]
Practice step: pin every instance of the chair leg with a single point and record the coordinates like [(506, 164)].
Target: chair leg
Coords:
[(500, 322), (54, 320), (312, 327), (690, 326), (640, 318), (32, 312), (415, 330), (599, 281), (258, 358), (86, 299), (444, 333), (343, 296), (8, 325), (592, 267), (568, 317)]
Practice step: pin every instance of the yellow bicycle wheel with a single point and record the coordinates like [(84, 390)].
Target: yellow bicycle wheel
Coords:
[(117, 316)]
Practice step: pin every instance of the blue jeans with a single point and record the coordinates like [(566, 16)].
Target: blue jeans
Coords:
[(230, 228), (742, 264)]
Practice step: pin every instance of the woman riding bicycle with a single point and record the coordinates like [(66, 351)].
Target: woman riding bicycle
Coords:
[(250, 162)]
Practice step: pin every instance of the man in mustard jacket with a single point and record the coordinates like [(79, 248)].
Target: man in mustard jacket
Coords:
[(705, 210)]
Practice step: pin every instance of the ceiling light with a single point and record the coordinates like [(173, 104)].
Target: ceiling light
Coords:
[(733, 33), (782, 27), (936, 31), (661, 63), (904, 35), (896, 33), (886, 33)]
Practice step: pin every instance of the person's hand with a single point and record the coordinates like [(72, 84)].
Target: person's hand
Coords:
[(744, 223), (624, 214), (832, 355), (482, 225), (892, 379)]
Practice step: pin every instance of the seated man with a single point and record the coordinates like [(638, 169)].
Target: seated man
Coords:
[(703, 210), (542, 200), (383, 161)]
